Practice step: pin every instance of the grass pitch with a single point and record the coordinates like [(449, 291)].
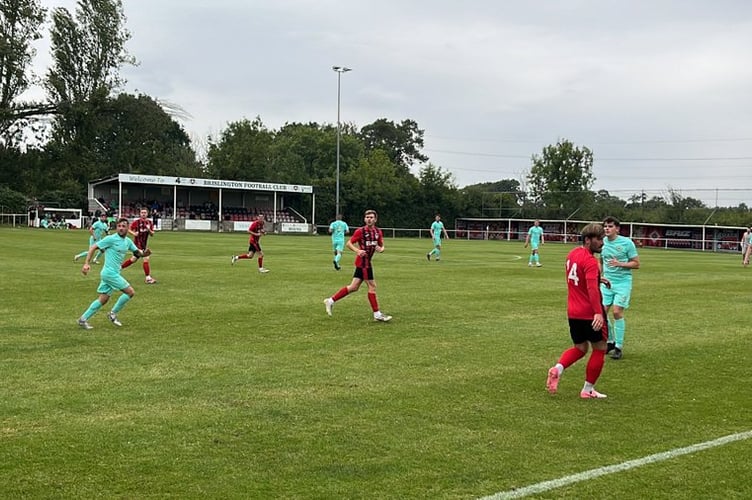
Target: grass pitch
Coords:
[(226, 383)]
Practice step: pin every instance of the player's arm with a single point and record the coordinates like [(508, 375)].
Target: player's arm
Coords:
[(543, 240), (330, 229), (380, 243), (89, 255), (137, 252), (350, 244), (594, 294), (446, 235), (527, 239), (633, 263)]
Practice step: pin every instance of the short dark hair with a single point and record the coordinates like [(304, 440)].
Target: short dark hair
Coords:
[(122, 219), (612, 220), (372, 212)]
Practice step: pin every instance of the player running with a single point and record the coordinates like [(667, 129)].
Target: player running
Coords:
[(97, 231), (115, 248), (141, 229), (437, 228), (338, 229), (369, 240), (256, 231)]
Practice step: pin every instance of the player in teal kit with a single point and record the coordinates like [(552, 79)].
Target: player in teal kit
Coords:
[(338, 229), (534, 239), (437, 228), (97, 231), (115, 248), (618, 258)]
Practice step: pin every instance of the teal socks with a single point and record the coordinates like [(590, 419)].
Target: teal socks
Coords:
[(121, 301), (619, 327), (93, 308)]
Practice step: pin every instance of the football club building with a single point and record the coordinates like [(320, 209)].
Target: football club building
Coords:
[(188, 203)]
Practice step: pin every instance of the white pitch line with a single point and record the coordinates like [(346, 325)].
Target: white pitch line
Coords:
[(611, 469)]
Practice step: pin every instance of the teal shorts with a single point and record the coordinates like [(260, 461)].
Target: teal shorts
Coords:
[(437, 242), (110, 284), (338, 245), (617, 295)]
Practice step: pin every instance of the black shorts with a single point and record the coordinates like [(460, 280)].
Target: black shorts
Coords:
[(254, 247), (581, 330), (363, 273)]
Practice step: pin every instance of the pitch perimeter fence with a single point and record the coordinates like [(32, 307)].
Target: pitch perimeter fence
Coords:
[(667, 236)]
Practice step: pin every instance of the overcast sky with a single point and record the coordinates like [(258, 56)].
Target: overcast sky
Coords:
[(660, 91)]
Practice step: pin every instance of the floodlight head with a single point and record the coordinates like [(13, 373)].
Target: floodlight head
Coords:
[(341, 69)]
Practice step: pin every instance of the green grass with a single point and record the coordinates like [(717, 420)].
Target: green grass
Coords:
[(224, 383)]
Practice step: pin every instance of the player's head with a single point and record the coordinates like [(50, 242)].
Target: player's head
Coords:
[(611, 226), (536, 222), (371, 217), (611, 221), (102, 215), (144, 213), (260, 217), (339, 216), (438, 217), (592, 237), (122, 226)]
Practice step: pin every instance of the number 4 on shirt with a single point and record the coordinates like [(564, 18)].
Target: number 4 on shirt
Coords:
[(572, 275)]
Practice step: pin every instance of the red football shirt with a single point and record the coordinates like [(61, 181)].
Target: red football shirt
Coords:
[(367, 239), (255, 227), (583, 285), (143, 228)]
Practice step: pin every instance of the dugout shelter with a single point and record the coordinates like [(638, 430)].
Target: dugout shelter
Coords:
[(188, 203)]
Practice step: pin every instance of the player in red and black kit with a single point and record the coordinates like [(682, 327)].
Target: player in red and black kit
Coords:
[(141, 229), (256, 230), (587, 323), (369, 239)]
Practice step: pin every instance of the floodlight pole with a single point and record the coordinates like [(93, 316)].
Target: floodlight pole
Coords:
[(339, 70)]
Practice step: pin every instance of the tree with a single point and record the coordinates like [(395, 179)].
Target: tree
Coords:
[(243, 152), (501, 198), (401, 142), (604, 204), (438, 194), (87, 53), (305, 153), (560, 177), (135, 134), (20, 23), (374, 183)]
